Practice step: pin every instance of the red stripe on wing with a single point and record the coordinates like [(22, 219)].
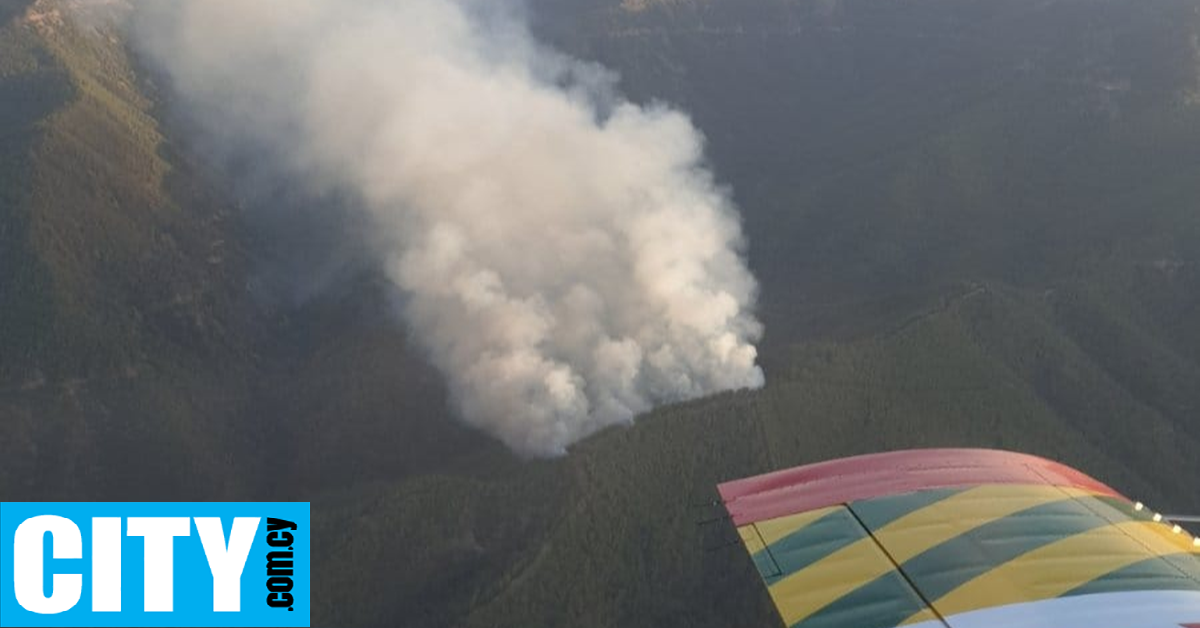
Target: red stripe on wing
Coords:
[(824, 484)]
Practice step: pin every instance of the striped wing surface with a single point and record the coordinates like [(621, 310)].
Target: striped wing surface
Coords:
[(956, 538)]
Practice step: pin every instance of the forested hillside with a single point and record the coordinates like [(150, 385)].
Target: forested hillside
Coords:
[(116, 301), (139, 358), (975, 224)]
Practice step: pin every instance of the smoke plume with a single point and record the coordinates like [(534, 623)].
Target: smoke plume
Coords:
[(564, 255)]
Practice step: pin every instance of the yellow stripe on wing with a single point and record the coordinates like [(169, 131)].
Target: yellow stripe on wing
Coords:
[(809, 590), (929, 527), (1060, 567), (923, 616), (751, 539), (805, 592)]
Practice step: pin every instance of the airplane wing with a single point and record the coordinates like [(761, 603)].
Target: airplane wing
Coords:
[(961, 538)]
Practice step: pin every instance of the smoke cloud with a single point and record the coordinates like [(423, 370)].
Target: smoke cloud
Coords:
[(564, 255)]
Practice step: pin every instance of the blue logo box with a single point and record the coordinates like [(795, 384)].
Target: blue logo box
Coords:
[(154, 564)]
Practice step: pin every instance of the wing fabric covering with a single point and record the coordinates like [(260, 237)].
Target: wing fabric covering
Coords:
[(1023, 543), (823, 569)]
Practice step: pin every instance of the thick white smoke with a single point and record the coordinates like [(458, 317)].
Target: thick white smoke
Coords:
[(566, 259)]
